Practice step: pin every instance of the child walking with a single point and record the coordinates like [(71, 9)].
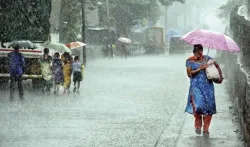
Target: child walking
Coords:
[(77, 74), (67, 75), (46, 68)]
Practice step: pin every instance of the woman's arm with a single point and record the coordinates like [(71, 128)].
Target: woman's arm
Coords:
[(191, 72)]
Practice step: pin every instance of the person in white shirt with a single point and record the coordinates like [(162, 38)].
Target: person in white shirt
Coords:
[(77, 74)]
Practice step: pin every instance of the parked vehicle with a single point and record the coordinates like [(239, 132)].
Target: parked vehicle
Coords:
[(177, 46), (98, 42), (32, 70), (18, 27), (154, 41)]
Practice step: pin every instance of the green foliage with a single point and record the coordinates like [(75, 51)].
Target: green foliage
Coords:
[(71, 13), (170, 2), (21, 20), (154, 11), (126, 12), (225, 9), (123, 13)]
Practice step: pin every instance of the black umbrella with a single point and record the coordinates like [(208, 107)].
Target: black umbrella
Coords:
[(23, 44)]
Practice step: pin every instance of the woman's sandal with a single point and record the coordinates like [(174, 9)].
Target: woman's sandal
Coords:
[(198, 131), (205, 133)]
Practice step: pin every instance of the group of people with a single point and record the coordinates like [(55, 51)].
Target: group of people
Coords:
[(55, 71)]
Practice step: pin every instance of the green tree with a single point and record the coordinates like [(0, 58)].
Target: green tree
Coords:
[(170, 2), (125, 13), (225, 9), (68, 20), (24, 20)]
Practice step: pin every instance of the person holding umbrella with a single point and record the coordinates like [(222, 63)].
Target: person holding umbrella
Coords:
[(201, 98), (16, 64), (124, 46), (124, 50)]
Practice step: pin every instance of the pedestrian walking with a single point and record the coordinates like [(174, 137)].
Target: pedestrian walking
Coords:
[(77, 74), (124, 50), (16, 63), (67, 75), (201, 97), (66, 57), (57, 72), (46, 67), (105, 51)]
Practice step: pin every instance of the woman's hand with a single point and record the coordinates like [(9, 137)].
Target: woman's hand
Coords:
[(203, 66), (191, 72)]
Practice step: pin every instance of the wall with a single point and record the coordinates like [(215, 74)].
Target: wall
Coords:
[(237, 71)]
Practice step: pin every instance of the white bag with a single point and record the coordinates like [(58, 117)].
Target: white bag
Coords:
[(211, 71)]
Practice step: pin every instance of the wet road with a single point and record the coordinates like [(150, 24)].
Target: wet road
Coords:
[(124, 103)]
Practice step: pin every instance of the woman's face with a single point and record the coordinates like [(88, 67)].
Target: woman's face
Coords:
[(199, 53)]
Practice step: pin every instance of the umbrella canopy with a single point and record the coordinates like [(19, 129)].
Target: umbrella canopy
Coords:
[(124, 40), (23, 44), (56, 46), (76, 44), (211, 39)]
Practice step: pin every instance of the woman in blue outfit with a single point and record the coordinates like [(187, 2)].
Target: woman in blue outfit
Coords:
[(201, 98), (58, 72)]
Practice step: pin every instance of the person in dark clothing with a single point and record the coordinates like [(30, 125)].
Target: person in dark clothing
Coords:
[(16, 64), (125, 53), (105, 51)]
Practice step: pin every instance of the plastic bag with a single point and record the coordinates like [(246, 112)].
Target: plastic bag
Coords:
[(212, 72)]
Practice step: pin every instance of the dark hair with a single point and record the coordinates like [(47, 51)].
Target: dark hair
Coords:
[(197, 47), (17, 47), (57, 55), (46, 51), (76, 58), (65, 61)]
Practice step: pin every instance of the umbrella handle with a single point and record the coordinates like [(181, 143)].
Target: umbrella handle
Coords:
[(208, 52)]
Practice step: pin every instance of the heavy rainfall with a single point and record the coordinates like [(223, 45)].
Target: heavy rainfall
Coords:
[(124, 73)]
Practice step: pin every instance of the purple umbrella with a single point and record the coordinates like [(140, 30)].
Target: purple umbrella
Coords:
[(211, 39)]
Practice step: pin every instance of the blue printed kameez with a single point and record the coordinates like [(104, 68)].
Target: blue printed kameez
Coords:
[(201, 98)]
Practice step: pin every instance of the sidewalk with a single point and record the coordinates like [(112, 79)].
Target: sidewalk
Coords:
[(224, 130)]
